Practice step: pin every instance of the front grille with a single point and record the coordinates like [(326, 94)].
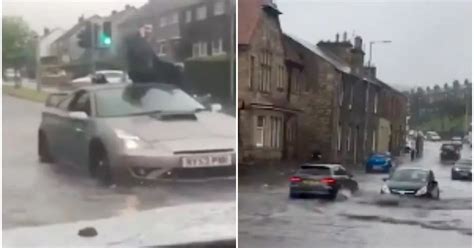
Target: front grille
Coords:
[(202, 151), (402, 192), (200, 173)]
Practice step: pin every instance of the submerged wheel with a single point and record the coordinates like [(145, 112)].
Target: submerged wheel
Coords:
[(44, 152)]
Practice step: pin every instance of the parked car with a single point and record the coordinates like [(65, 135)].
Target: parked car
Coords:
[(411, 181), (462, 169), (146, 132), (321, 180), (432, 136), (379, 162), (112, 76), (449, 152)]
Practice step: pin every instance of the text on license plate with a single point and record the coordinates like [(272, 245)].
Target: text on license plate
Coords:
[(207, 161), (309, 182)]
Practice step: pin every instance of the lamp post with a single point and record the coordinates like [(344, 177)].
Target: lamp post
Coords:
[(370, 48)]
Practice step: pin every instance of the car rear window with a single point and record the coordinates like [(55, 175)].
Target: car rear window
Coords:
[(315, 170)]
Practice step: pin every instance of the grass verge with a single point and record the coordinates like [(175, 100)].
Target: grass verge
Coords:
[(24, 93)]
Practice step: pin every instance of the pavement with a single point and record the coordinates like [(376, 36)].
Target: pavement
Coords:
[(38, 194), (30, 84), (268, 218)]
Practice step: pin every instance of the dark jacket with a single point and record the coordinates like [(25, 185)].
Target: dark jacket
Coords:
[(145, 67)]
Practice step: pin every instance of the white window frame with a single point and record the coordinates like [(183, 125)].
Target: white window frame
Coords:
[(163, 21), (201, 13), (341, 95), (367, 92), (219, 8), (196, 49), (189, 16), (173, 18), (218, 47), (259, 131), (376, 102), (161, 47), (339, 137), (351, 102), (349, 139), (203, 49), (374, 140)]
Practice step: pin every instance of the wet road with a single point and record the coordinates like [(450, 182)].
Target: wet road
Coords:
[(38, 194), (267, 218)]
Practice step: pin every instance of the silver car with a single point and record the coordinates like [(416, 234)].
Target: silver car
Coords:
[(148, 131)]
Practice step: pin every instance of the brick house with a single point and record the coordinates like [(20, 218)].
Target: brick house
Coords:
[(265, 116), (341, 105)]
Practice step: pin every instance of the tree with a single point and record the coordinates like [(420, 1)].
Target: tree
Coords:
[(446, 86), (17, 42), (466, 82), (456, 84)]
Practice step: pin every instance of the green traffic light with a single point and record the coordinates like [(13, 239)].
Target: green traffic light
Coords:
[(107, 41)]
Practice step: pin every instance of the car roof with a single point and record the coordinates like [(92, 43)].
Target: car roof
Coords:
[(114, 71), (98, 87), (413, 168), (331, 166)]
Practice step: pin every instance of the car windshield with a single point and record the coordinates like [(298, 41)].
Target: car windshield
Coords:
[(112, 74), (409, 175), (138, 100), (314, 170), (447, 147)]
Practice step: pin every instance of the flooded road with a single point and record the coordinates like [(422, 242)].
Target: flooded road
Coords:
[(268, 218), (36, 194)]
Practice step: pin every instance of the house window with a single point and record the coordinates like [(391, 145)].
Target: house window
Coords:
[(266, 71), (189, 16), (275, 132), (174, 18), (259, 131), (339, 137), (351, 97), (163, 21), (367, 98), (219, 8), (200, 49), (374, 139), (376, 102), (201, 13), (217, 47), (280, 77), (341, 95), (252, 71), (349, 137)]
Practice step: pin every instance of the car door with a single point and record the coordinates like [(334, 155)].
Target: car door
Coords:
[(56, 133), (431, 182), (80, 129)]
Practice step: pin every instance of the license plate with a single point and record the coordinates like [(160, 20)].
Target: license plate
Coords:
[(311, 182), (207, 161), (465, 173)]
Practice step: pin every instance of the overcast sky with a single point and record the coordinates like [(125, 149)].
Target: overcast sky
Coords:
[(62, 13), (431, 42)]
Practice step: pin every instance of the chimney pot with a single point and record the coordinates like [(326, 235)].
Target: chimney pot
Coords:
[(344, 36), (337, 37)]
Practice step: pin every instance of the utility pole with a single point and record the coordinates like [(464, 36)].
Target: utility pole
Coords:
[(38, 64), (232, 53)]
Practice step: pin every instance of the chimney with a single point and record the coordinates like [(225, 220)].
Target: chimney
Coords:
[(46, 31), (127, 7), (81, 19), (344, 36), (337, 37), (113, 12), (371, 72), (358, 43)]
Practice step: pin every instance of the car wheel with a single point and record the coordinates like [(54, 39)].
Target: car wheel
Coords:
[(101, 167), (333, 195), (453, 177), (43, 149), (293, 195)]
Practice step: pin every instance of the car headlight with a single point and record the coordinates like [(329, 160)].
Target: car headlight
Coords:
[(130, 141), (385, 189), (422, 191), (457, 169)]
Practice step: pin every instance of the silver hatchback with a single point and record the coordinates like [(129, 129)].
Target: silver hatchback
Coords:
[(148, 131)]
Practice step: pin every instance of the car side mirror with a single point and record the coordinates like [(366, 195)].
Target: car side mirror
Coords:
[(216, 107), (79, 115), (385, 179), (435, 182)]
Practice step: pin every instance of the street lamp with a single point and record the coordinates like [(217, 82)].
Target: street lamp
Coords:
[(370, 48)]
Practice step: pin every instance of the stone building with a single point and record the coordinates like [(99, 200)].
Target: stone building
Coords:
[(265, 115)]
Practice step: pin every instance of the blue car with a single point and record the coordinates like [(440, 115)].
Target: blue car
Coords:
[(379, 163)]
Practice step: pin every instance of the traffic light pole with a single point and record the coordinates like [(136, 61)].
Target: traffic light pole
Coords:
[(92, 49)]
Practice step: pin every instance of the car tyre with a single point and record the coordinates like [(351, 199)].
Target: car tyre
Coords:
[(333, 195), (100, 167), (43, 149), (293, 195)]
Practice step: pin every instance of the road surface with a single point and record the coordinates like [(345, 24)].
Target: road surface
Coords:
[(38, 194), (268, 218)]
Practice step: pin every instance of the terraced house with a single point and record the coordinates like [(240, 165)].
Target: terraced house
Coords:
[(265, 114)]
